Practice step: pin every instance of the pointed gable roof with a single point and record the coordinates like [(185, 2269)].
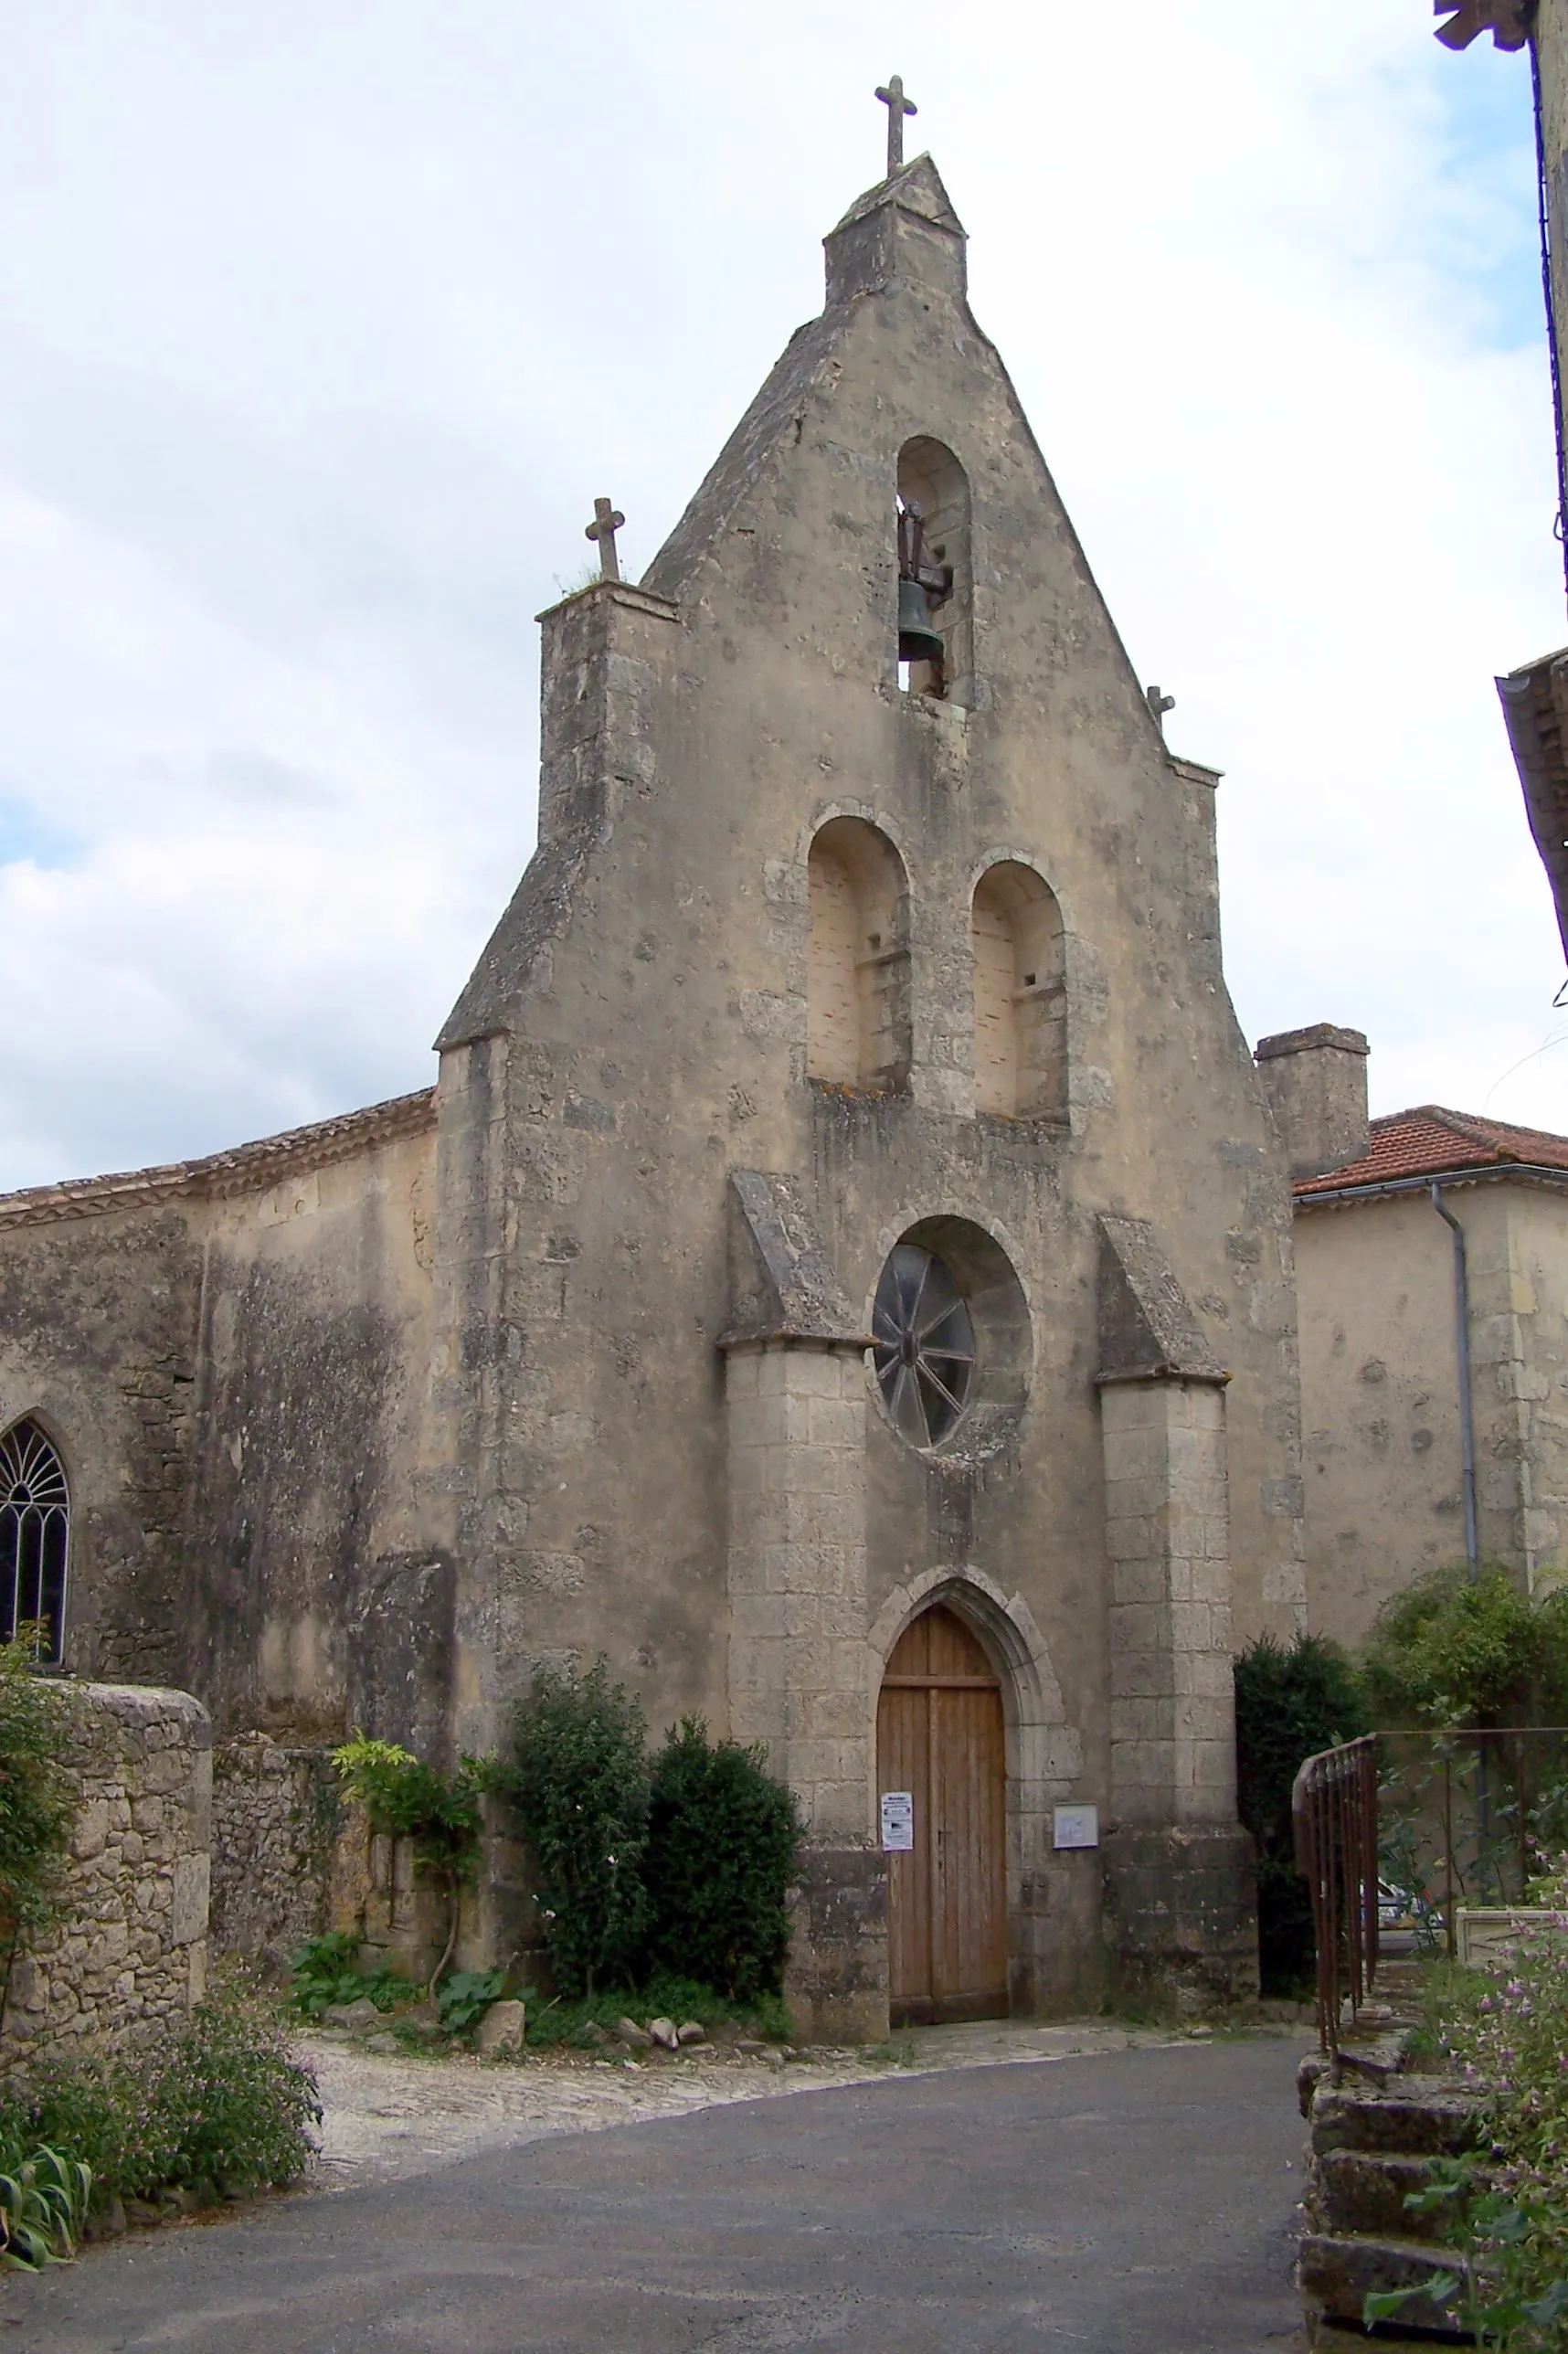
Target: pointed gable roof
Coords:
[(864, 251), (918, 188)]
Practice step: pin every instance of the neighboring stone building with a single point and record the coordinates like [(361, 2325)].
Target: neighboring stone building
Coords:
[(865, 987), (1384, 1384)]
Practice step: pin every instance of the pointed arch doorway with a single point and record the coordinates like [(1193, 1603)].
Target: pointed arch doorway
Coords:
[(940, 1738)]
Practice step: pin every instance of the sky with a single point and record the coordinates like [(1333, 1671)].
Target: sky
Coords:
[(321, 328)]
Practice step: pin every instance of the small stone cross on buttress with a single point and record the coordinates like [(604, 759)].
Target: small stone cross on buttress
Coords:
[(606, 522), (897, 106)]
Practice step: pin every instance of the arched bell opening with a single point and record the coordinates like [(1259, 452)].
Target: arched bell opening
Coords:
[(857, 971), (936, 648), (941, 1747)]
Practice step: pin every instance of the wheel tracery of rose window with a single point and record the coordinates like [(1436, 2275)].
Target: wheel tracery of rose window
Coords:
[(923, 1345)]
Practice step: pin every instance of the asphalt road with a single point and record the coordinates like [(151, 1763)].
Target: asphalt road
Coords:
[(1138, 2202)]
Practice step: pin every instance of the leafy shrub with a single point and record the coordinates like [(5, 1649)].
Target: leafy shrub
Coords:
[(327, 1970), (578, 1780), (440, 1813), (1290, 1702), (467, 1996), (37, 1794), (43, 2205), (723, 1837), (213, 2104), (1457, 1649), (1509, 2032)]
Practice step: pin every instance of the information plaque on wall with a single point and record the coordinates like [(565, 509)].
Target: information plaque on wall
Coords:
[(898, 1822), (1075, 1826)]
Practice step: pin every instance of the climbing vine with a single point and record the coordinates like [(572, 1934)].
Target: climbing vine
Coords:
[(438, 1813)]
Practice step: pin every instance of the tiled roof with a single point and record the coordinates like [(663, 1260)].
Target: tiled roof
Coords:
[(1430, 1140), (244, 1167)]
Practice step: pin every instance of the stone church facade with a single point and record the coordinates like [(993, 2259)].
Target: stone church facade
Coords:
[(847, 1223)]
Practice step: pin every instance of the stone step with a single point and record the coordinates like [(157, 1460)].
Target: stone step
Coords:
[(1371, 2061), (1334, 2277), (1415, 2117), (1350, 2191)]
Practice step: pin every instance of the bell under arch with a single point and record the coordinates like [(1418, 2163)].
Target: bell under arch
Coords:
[(935, 627)]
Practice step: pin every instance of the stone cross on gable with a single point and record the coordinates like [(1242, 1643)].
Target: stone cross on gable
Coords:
[(606, 522), (897, 106)]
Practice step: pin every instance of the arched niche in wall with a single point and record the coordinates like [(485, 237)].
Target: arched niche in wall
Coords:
[(1020, 996), (857, 1001), (934, 551)]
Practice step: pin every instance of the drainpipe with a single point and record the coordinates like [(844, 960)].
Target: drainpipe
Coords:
[(1466, 1410)]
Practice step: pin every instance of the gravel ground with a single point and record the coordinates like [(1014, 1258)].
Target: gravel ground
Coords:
[(387, 2119)]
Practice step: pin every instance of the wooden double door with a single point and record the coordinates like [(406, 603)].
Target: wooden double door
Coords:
[(939, 1737)]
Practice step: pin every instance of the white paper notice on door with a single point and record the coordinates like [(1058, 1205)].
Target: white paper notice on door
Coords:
[(898, 1822)]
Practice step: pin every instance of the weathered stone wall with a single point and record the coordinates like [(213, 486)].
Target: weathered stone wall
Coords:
[(98, 1342), (1381, 1398), (228, 1355), (128, 1946), (274, 1823)]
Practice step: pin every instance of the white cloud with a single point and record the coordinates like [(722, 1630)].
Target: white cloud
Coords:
[(322, 328)]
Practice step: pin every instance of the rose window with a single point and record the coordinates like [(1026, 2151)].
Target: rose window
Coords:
[(923, 1345)]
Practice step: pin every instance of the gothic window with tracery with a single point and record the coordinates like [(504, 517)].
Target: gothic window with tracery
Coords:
[(923, 1345), (35, 1519)]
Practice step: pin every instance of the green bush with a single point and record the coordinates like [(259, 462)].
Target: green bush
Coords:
[(1458, 1648), (1507, 2033), (578, 1780), (37, 1794), (1290, 1702), (723, 1837), (213, 2104)]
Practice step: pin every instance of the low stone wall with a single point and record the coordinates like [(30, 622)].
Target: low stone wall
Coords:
[(128, 1944), (274, 1824)]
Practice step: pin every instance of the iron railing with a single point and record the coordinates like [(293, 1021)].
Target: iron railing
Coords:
[(1395, 1832), (1333, 1805)]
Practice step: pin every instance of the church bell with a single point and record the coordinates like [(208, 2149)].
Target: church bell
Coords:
[(917, 640)]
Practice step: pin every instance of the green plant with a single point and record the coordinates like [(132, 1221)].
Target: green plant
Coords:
[(1506, 2031), (1494, 2289), (37, 1793), (440, 1813), (722, 1838), (578, 1781), (467, 1996), (327, 1970), (231, 2106), (1290, 1702), (43, 2205), (1462, 1648), (213, 2104)]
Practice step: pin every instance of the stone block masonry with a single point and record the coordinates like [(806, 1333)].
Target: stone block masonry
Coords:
[(275, 1817), (127, 1948)]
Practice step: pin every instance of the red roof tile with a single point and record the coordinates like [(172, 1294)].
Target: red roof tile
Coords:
[(1430, 1140)]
